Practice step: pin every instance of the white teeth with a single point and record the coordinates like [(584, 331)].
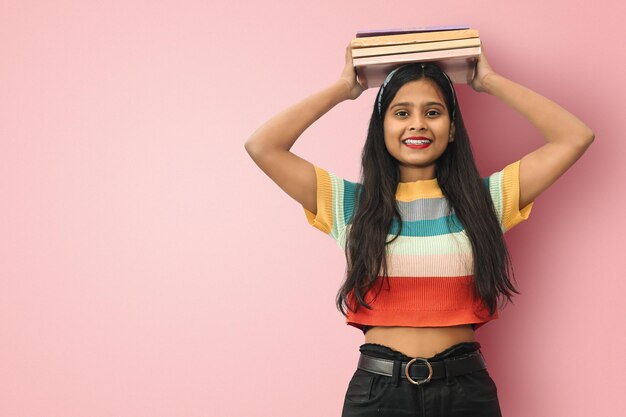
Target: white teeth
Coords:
[(417, 142)]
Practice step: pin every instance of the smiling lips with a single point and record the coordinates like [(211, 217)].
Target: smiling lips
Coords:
[(417, 142)]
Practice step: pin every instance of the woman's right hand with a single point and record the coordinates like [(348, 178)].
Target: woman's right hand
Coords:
[(355, 87)]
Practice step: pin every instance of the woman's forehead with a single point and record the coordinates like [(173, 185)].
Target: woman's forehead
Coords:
[(419, 93), (419, 90)]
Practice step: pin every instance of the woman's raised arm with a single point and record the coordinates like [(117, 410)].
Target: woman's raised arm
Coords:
[(567, 136), (269, 146)]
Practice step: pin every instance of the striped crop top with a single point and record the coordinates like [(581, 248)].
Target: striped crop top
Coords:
[(430, 265)]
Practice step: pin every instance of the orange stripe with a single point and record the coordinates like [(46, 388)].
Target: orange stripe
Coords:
[(422, 302)]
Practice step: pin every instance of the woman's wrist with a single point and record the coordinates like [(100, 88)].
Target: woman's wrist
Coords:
[(489, 81), (344, 89)]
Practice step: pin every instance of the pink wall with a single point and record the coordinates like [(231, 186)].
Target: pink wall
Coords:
[(149, 268)]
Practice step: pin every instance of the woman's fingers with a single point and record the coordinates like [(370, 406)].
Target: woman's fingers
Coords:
[(349, 74)]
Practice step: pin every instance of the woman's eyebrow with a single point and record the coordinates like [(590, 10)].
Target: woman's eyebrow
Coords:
[(408, 104)]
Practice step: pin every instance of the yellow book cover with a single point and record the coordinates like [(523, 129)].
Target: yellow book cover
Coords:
[(409, 38)]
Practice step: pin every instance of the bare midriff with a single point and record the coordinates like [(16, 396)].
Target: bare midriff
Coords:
[(423, 342)]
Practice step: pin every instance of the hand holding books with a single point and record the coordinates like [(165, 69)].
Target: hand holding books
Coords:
[(483, 69), (355, 86)]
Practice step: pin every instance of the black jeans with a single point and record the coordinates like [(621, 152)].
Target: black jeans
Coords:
[(467, 395)]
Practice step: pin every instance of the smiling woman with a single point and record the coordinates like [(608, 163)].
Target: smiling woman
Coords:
[(444, 263), (422, 232)]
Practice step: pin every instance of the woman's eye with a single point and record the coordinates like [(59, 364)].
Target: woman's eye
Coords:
[(403, 113)]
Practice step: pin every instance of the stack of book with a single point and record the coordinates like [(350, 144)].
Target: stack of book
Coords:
[(454, 48)]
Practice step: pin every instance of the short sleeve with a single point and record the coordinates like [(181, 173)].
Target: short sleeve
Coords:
[(335, 204), (504, 188)]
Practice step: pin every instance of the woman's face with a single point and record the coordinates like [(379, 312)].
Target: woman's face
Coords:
[(417, 110)]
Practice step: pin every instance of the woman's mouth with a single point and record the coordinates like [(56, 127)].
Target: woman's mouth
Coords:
[(417, 143)]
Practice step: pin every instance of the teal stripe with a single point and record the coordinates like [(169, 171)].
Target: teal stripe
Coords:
[(436, 227), (349, 191)]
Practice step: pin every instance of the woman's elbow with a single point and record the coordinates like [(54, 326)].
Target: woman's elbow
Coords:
[(590, 138), (587, 138)]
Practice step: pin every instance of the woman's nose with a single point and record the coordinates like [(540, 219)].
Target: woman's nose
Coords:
[(417, 123)]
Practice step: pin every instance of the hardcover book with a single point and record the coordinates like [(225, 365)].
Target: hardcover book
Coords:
[(380, 32), (458, 64)]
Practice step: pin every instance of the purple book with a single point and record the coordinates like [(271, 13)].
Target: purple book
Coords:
[(383, 32)]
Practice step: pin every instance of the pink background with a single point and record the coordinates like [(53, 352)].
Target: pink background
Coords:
[(149, 268)]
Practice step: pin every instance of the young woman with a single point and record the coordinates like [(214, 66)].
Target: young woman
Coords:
[(422, 231)]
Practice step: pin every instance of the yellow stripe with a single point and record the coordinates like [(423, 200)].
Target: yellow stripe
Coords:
[(323, 220), (511, 214)]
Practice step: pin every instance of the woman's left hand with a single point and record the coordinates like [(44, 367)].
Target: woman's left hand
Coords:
[(483, 70)]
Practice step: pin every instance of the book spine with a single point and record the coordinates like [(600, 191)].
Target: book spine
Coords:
[(417, 56), (413, 38), (420, 47), (460, 70), (382, 32)]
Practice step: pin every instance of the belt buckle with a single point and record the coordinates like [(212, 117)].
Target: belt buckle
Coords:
[(430, 370)]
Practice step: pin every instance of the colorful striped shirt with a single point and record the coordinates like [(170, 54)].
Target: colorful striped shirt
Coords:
[(430, 265)]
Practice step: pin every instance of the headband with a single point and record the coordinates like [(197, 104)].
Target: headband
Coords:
[(382, 88)]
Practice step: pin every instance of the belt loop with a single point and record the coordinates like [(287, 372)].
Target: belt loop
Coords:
[(448, 369), (397, 363)]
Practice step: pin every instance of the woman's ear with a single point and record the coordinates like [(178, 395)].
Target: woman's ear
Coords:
[(452, 131)]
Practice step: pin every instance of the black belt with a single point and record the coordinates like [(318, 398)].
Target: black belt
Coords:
[(421, 368)]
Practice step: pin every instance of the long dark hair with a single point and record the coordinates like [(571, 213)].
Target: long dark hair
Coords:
[(461, 184)]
